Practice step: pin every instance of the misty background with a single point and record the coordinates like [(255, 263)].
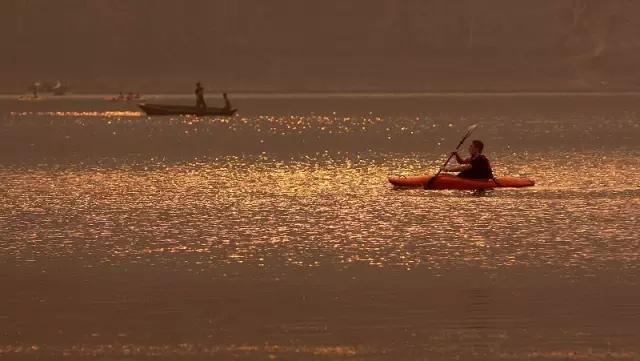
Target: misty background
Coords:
[(319, 45)]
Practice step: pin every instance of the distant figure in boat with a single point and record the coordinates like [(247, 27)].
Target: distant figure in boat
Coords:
[(477, 166), (36, 86), (227, 103), (200, 96)]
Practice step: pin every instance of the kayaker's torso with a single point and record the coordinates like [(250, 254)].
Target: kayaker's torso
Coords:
[(480, 168)]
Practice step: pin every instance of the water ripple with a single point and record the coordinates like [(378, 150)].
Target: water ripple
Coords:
[(324, 209)]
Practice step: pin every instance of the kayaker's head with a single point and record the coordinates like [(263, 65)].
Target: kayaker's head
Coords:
[(476, 147)]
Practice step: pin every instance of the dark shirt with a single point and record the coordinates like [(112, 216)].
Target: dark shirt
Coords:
[(480, 169)]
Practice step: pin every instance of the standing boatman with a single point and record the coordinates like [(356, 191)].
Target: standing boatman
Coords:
[(36, 87), (200, 96), (227, 103)]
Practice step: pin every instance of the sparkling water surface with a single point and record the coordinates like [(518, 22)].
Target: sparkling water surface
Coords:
[(274, 233)]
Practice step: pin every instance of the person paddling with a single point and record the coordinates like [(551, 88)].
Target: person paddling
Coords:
[(200, 96), (227, 103), (475, 167)]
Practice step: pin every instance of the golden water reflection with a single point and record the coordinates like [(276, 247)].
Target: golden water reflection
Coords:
[(323, 209)]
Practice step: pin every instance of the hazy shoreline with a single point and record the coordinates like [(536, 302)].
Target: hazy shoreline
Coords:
[(357, 94)]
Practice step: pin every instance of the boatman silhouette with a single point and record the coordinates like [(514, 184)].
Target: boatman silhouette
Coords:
[(200, 96)]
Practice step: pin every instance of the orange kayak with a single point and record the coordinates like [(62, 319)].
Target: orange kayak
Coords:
[(448, 181)]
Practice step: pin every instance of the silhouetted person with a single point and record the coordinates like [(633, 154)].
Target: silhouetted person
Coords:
[(227, 103), (200, 96), (475, 167), (36, 86)]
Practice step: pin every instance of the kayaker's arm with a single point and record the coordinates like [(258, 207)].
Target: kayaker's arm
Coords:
[(459, 159), (456, 168)]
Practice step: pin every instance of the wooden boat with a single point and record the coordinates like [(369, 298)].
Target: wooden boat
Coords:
[(29, 98), (161, 109), (124, 100)]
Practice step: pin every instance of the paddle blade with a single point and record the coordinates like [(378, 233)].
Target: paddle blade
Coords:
[(469, 131)]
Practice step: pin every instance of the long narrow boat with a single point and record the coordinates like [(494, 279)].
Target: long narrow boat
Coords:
[(161, 109), (448, 181), (29, 97)]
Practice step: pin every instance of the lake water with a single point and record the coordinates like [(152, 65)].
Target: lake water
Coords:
[(274, 234)]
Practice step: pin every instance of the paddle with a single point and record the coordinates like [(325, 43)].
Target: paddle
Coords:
[(469, 131)]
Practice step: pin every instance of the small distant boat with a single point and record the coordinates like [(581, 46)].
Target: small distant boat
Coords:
[(131, 97), (29, 98), (56, 89), (59, 89), (123, 100), (161, 109)]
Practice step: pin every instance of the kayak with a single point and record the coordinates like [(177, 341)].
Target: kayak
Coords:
[(448, 181), (160, 109)]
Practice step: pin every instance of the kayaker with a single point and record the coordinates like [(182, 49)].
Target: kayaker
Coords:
[(475, 167), (227, 103), (200, 96)]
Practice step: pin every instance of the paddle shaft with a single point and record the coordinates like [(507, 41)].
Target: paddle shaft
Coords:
[(451, 155), (428, 185)]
